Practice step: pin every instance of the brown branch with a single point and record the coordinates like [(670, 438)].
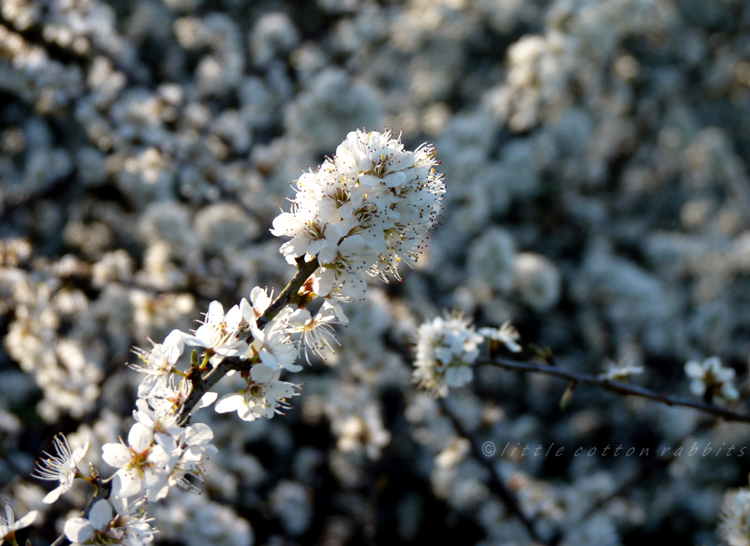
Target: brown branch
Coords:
[(617, 387), (290, 292), (506, 495)]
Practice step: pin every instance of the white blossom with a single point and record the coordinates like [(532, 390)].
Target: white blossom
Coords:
[(159, 361), (128, 524), (316, 333), (220, 332), (142, 465), (274, 346), (62, 468), (735, 518), (446, 349), (264, 395), (619, 370), (506, 334), (9, 525), (712, 376)]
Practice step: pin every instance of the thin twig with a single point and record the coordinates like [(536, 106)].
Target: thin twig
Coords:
[(496, 484), (58, 540), (290, 292), (617, 387)]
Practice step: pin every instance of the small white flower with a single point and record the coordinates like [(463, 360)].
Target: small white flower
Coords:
[(219, 332), (506, 334), (159, 361), (316, 333), (264, 395), (142, 464), (62, 468), (161, 421), (169, 398), (273, 346), (711, 376), (619, 370), (260, 300), (128, 525), (9, 525), (194, 444)]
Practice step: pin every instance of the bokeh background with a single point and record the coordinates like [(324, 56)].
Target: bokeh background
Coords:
[(597, 195)]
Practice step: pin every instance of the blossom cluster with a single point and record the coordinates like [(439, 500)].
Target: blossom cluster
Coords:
[(446, 350), (363, 211)]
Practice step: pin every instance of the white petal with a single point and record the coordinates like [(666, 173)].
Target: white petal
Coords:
[(268, 359), (100, 514), (126, 483), (79, 530), (323, 280), (140, 437), (694, 369), (215, 313), (328, 254), (199, 433), (79, 453), (261, 373), (207, 399), (316, 246), (369, 181), (351, 245), (27, 520), (261, 299), (154, 479), (233, 318), (53, 495), (116, 455), (230, 402), (291, 367), (285, 224)]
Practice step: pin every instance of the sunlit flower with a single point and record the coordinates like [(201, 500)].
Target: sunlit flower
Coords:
[(159, 362), (735, 518), (62, 468), (264, 395), (9, 525), (142, 464), (316, 333), (128, 525), (220, 332)]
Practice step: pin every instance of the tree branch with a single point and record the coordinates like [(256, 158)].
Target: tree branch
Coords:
[(497, 485), (201, 384), (617, 387)]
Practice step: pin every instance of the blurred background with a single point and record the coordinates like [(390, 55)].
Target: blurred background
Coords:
[(597, 196)]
